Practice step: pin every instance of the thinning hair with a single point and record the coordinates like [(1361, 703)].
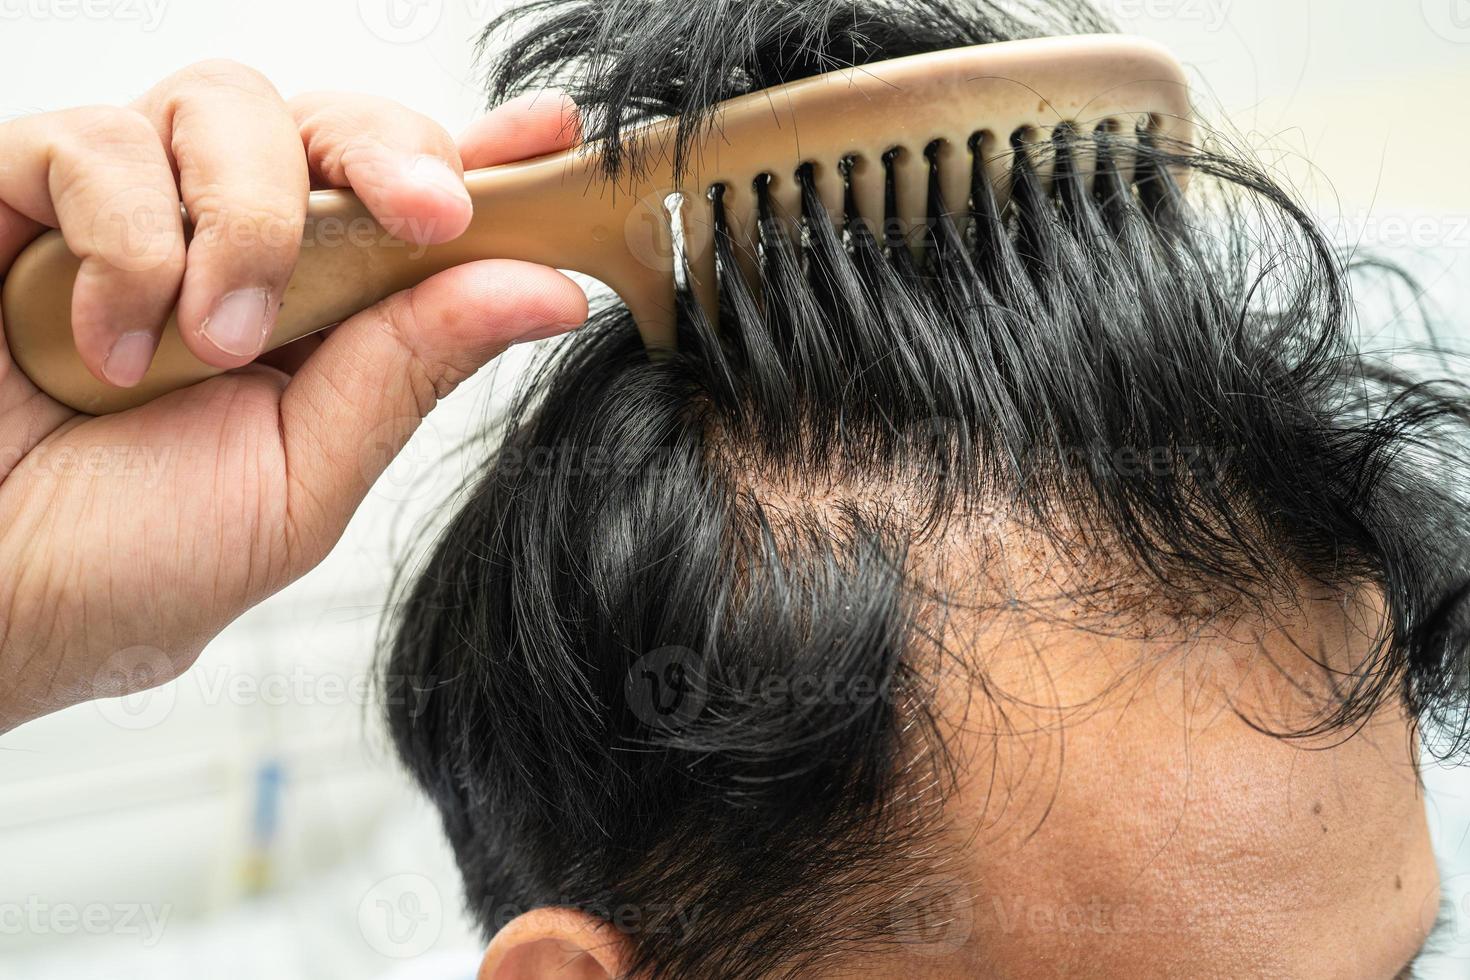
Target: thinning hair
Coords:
[(763, 504)]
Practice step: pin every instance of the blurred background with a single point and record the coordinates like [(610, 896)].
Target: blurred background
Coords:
[(247, 820)]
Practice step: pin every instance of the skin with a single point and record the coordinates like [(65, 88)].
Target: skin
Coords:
[(118, 575), (1130, 820)]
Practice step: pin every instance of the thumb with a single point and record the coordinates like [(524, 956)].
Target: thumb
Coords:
[(364, 391)]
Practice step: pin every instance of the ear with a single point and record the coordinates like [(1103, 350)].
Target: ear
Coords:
[(555, 944)]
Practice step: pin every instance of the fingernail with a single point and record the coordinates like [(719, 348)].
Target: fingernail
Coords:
[(240, 322), (547, 330), (434, 172), (128, 360)]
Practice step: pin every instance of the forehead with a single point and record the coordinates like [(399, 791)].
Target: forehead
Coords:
[(1120, 812)]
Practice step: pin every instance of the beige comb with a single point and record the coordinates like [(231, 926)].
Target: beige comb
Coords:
[(561, 210)]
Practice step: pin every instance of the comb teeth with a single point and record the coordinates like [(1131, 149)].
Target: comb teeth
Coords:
[(896, 184), (895, 197)]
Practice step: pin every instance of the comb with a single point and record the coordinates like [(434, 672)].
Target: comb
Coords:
[(961, 108)]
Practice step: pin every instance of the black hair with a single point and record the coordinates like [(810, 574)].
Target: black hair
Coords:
[(662, 552)]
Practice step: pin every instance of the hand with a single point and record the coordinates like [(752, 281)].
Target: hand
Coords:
[(150, 530)]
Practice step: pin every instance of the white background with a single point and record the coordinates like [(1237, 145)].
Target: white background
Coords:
[(130, 844)]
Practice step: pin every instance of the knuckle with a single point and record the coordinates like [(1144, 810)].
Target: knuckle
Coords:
[(104, 128), (331, 109), (228, 73), (162, 264), (438, 141), (350, 127), (114, 192), (354, 146), (429, 376), (335, 147), (245, 217), (152, 257)]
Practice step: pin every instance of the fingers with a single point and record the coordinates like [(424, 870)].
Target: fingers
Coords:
[(358, 398), (218, 136), (528, 126), (402, 165), (102, 177), (242, 175)]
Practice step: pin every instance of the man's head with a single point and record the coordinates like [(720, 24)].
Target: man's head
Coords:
[(1058, 599)]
